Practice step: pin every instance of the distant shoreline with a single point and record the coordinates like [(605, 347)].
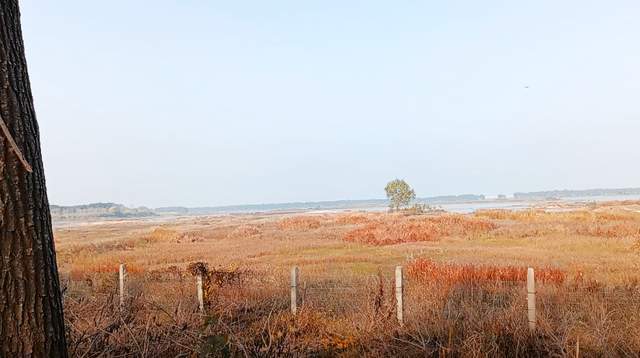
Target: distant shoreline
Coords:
[(114, 213)]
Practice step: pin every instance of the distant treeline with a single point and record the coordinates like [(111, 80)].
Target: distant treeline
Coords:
[(451, 199), (99, 210), (112, 210), (312, 205), (576, 193)]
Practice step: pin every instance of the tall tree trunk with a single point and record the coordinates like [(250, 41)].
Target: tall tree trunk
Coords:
[(31, 321)]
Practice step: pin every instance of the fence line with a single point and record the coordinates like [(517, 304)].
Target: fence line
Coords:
[(295, 297), (294, 290), (199, 293), (399, 295), (531, 298), (121, 274)]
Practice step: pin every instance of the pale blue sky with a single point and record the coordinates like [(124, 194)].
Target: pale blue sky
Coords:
[(231, 102)]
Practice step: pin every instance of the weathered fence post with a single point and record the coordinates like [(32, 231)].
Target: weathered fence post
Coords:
[(199, 292), (294, 290), (122, 274), (399, 295), (531, 298)]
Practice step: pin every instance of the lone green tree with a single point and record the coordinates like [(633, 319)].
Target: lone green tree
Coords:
[(399, 194)]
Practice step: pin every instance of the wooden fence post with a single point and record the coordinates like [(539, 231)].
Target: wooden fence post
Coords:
[(199, 292), (122, 274), (294, 290), (531, 298), (399, 295)]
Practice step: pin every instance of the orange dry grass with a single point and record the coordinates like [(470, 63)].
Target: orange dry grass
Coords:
[(245, 231), (411, 229), (160, 234), (610, 231), (344, 310), (618, 224), (524, 215), (534, 215), (80, 271), (351, 219), (427, 270), (251, 318), (299, 223)]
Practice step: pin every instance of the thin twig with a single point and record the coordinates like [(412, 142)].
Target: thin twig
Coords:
[(14, 146)]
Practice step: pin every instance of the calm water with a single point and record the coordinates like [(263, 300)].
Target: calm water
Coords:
[(470, 207)]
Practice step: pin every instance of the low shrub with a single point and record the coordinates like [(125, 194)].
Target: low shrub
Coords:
[(399, 229), (299, 223)]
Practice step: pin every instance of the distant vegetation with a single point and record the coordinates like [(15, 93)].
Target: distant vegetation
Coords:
[(452, 198), (575, 193), (310, 205), (99, 210), (113, 210), (399, 194)]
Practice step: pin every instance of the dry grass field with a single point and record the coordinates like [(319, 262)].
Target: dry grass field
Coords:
[(465, 293)]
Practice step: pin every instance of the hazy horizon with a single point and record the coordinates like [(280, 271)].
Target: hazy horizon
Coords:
[(489, 197), (213, 104)]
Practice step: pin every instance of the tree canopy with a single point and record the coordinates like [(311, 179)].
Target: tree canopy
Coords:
[(399, 194)]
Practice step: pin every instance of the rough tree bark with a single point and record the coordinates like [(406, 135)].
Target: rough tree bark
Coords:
[(31, 321)]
